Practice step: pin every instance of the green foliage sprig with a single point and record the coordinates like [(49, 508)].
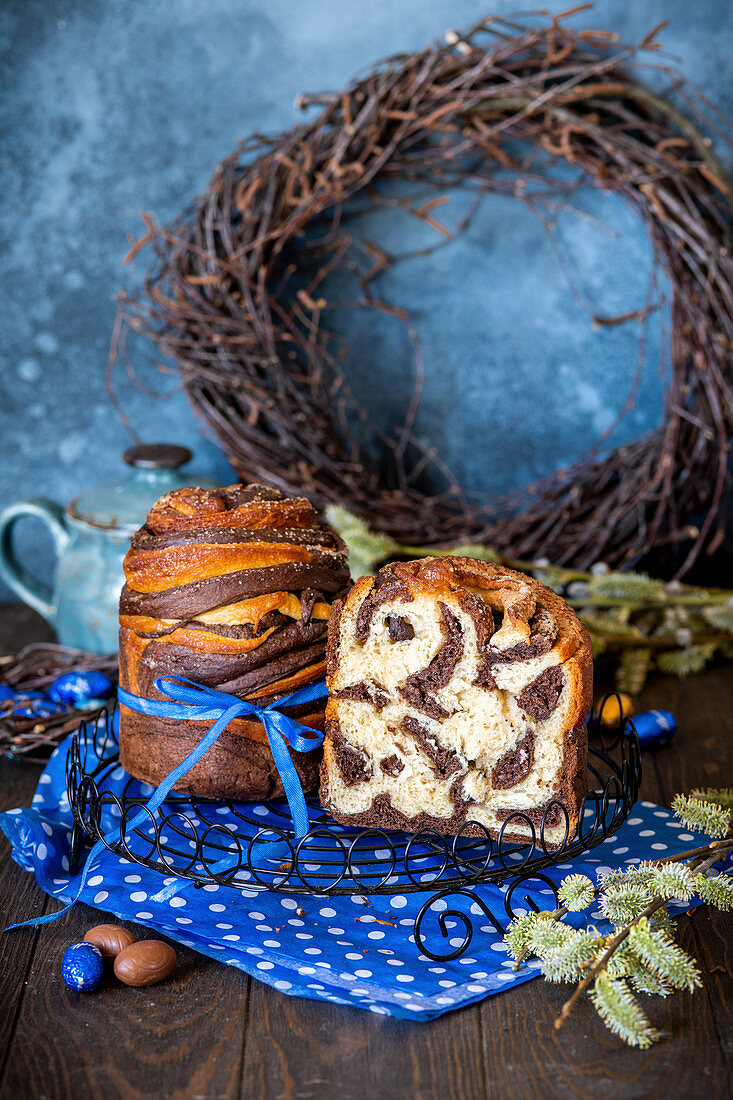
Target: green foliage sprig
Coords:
[(641, 954), (638, 622)]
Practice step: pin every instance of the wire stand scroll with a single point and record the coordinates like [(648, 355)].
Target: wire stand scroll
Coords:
[(252, 845)]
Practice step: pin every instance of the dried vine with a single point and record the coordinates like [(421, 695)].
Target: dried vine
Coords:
[(33, 737), (238, 292)]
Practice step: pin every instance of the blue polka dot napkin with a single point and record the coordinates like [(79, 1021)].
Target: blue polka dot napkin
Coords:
[(358, 950)]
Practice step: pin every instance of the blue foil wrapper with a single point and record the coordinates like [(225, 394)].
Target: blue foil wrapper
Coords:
[(654, 727), (82, 967), (77, 687)]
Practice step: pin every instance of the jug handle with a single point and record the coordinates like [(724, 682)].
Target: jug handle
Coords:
[(33, 592)]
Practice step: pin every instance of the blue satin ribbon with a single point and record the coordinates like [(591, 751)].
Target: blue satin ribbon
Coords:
[(193, 702)]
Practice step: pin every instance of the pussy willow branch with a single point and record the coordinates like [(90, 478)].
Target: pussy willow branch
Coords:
[(700, 865), (723, 847)]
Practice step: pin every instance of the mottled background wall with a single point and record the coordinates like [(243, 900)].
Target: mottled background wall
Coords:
[(110, 107)]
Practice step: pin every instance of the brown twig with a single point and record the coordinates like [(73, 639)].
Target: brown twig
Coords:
[(492, 110)]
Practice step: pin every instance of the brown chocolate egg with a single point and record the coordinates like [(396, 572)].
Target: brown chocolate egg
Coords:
[(110, 939), (145, 962)]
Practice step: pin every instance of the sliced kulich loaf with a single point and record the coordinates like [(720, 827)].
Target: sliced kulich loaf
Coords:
[(458, 692), (231, 588)]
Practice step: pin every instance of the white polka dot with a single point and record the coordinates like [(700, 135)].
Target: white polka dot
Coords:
[(620, 851), (217, 908), (303, 936), (504, 977), (328, 912), (271, 943), (101, 896), (183, 920), (211, 887), (265, 965), (132, 878), (143, 916), (47, 828), (405, 978), (42, 851), (646, 832), (255, 951), (283, 985), (337, 931), (288, 903), (446, 984), (476, 988), (177, 902), (659, 847), (363, 973), (306, 970), (232, 938), (312, 951), (138, 895), (95, 880), (685, 836), (480, 974), (436, 969), (376, 935), (398, 902), (255, 916), (225, 926), (379, 1010), (633, 821)]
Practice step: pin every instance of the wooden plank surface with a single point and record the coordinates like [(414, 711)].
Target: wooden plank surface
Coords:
[(211, 1032)]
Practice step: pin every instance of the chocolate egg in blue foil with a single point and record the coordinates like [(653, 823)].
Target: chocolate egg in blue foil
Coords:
[(82, 967), (77, 687), (654, 727), (32, 704)]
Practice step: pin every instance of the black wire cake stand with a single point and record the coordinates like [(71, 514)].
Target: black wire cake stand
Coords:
[(252, 845)]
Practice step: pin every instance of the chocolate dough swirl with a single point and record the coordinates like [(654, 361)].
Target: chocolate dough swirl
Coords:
[(231, 588)]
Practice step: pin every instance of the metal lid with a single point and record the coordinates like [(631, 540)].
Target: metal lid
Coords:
[(157, 456)]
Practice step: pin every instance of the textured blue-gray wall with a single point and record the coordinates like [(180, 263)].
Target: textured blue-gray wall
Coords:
[(110, 107)]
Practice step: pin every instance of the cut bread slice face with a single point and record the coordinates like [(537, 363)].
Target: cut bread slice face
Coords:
[(458, 694)]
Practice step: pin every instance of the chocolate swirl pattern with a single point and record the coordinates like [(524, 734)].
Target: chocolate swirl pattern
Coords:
[(230, 588), (458, 692)]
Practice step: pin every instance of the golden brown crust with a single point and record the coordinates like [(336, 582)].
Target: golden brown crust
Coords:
[(250, 633), (515, 594)]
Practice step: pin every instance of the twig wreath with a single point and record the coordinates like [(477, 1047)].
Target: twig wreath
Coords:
[(236, 294)]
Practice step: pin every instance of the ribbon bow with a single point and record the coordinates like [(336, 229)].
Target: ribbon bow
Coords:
[(196, 703), (193, 702)]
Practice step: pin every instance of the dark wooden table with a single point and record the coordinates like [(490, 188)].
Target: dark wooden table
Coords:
[(211, 1031)]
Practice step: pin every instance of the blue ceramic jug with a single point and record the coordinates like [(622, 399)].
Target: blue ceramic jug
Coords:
[(91, 537)]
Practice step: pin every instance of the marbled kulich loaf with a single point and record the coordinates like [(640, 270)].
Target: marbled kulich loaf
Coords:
[(458, 692), (231, 588)]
